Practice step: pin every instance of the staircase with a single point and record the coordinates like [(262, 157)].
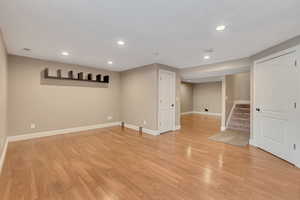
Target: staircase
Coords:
[(240, 118)]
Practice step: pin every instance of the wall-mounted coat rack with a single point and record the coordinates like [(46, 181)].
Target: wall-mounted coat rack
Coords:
[(79, 77)]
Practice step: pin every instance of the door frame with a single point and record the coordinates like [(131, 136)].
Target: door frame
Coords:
[(254, 123), (173, 89)]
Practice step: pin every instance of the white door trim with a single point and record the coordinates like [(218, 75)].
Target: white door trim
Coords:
[(173, 99)]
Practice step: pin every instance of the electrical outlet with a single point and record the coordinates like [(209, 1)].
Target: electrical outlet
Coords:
[(32, 125), (109, 118), (144, 122)]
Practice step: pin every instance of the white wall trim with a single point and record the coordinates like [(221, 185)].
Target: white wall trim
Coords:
[(242, 102), (186, 113), (223, 128), (145, 130), (2, 156), (178, 127), (60, 131), (207, 113), (252, 142)]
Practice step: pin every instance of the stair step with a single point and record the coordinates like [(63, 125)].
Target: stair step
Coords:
[(241, 110), (239, 126), (240, 122), (239, 129), (241, 115), (242, 106), (238, 119)]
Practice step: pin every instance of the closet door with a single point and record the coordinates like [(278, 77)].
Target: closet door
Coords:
[(275, 104), (166, 111)]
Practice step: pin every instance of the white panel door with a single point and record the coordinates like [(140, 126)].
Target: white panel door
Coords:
[(166, 113), (275, 98)]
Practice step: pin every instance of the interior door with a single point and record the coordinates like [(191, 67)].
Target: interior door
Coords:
[(166, 114), (275, 95)]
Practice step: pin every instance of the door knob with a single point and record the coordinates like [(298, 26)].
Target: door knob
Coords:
[(172, 105)]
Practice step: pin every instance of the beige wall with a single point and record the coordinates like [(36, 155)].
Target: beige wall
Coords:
[(237, 89), (207, 95), (186, 97), (53, 107), (139, 92), (3, 93), (241, 86), (139, 96)]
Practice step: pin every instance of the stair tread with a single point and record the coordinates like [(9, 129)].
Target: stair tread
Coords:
[(246, 109), (240, 129), (238, 126), (243, 105), (240, 118)]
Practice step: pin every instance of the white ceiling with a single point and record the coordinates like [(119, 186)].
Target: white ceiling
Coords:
[(205, 80), (179, 30)]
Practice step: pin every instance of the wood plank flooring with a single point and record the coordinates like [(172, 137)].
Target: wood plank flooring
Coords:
[(116, 164)]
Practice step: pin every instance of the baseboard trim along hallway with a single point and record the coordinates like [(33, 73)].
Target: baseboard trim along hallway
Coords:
[(60, 131), (2, 156), (208, 113), (145, 130)]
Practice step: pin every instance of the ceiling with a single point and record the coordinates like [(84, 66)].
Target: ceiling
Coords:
[(205, 80), (171, 32)]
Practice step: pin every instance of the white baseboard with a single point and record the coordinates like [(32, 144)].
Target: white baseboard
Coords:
[(223, 128), (59, 132), (207, 113), (145, 130), (186, 113), (178, 127), (252, 142), (242, 102), (2, 156), (201, 113)]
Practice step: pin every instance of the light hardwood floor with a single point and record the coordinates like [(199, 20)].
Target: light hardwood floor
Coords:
[(112, 164)]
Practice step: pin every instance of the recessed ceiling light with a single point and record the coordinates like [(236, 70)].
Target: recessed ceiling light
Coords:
[(65, 53), (206, 57), (110, 62), (221, 28), (121, 43)]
